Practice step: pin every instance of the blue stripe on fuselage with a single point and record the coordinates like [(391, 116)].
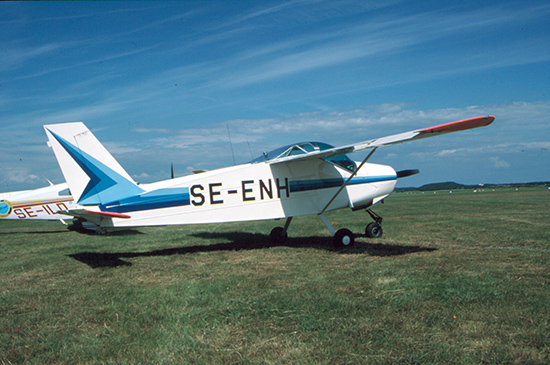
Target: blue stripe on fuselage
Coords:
[(156, 199), (307, 185)]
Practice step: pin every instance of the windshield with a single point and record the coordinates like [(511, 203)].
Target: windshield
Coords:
[(304, 148)]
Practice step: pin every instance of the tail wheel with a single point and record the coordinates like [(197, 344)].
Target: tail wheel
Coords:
[(373, 230), (278, 235), (344, 238)]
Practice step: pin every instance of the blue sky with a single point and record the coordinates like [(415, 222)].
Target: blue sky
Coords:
[(163, 82)]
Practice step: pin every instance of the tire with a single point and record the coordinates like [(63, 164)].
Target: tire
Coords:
[(373, 230), (344, 238), (278, 235)]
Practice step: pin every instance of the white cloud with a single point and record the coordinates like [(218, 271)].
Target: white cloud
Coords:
[(371, 122), (13, 178), (17, 57), (120, 148), (141, 176), (380, 36), (446, 152), (499, 163), (208, 147)]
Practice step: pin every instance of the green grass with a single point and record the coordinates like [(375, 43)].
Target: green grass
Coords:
[(459, 278)]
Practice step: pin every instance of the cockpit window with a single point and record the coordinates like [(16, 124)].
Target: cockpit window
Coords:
[(302, 148), (342, 161), (296, 151)]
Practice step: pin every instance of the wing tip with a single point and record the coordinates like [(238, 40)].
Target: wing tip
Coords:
[(460, 125)]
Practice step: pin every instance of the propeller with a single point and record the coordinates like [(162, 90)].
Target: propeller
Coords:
[(405, 173)]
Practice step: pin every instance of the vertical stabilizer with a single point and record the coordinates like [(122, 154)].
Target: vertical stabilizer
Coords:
[(93, 175)]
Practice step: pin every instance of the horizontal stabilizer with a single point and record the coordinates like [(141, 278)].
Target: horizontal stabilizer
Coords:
[(108, 214), (94, 217)]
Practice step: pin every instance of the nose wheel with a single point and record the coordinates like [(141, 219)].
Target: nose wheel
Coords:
[(374, 229), (345, 238)]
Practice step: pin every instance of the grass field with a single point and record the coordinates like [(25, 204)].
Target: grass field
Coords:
[(456, 278)]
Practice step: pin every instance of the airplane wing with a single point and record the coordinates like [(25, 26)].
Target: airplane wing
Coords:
[(460, 125)]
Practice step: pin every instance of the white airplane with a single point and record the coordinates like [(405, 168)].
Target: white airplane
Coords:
[(308, 178), (38, 204)]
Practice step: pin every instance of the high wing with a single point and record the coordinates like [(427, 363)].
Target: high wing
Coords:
[(460, 125)]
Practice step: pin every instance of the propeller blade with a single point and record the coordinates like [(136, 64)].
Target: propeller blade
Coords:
[(405, 173)]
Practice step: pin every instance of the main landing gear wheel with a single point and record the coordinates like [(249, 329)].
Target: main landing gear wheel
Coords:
[(278, 235), (344, 238), (373, 230)]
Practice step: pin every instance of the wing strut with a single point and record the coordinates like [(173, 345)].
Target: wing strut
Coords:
[(347, 181)]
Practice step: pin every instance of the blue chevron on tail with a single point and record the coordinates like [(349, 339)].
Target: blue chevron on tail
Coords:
[(93, 175)]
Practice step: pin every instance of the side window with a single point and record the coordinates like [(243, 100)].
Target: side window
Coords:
[(65, 192), (344, 162)]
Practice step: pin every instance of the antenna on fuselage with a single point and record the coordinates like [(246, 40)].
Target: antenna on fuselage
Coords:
[(250, 149), (231, 144)]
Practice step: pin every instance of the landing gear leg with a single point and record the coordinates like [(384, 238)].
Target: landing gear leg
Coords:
[(77, 226), (342, 238), (279, 235), (374, 229)]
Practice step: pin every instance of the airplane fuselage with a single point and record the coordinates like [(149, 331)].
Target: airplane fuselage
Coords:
[(250, 192), (39, 204)]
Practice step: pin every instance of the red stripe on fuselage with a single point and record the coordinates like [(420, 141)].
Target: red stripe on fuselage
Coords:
[(34, 204)]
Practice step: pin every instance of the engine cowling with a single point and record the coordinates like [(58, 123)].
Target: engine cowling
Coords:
[(371, 185)]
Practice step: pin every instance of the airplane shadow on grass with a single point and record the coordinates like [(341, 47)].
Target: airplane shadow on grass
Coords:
[(4, 233), (246, 241)]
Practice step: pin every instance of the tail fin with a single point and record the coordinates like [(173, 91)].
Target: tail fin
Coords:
[(93, 175)]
